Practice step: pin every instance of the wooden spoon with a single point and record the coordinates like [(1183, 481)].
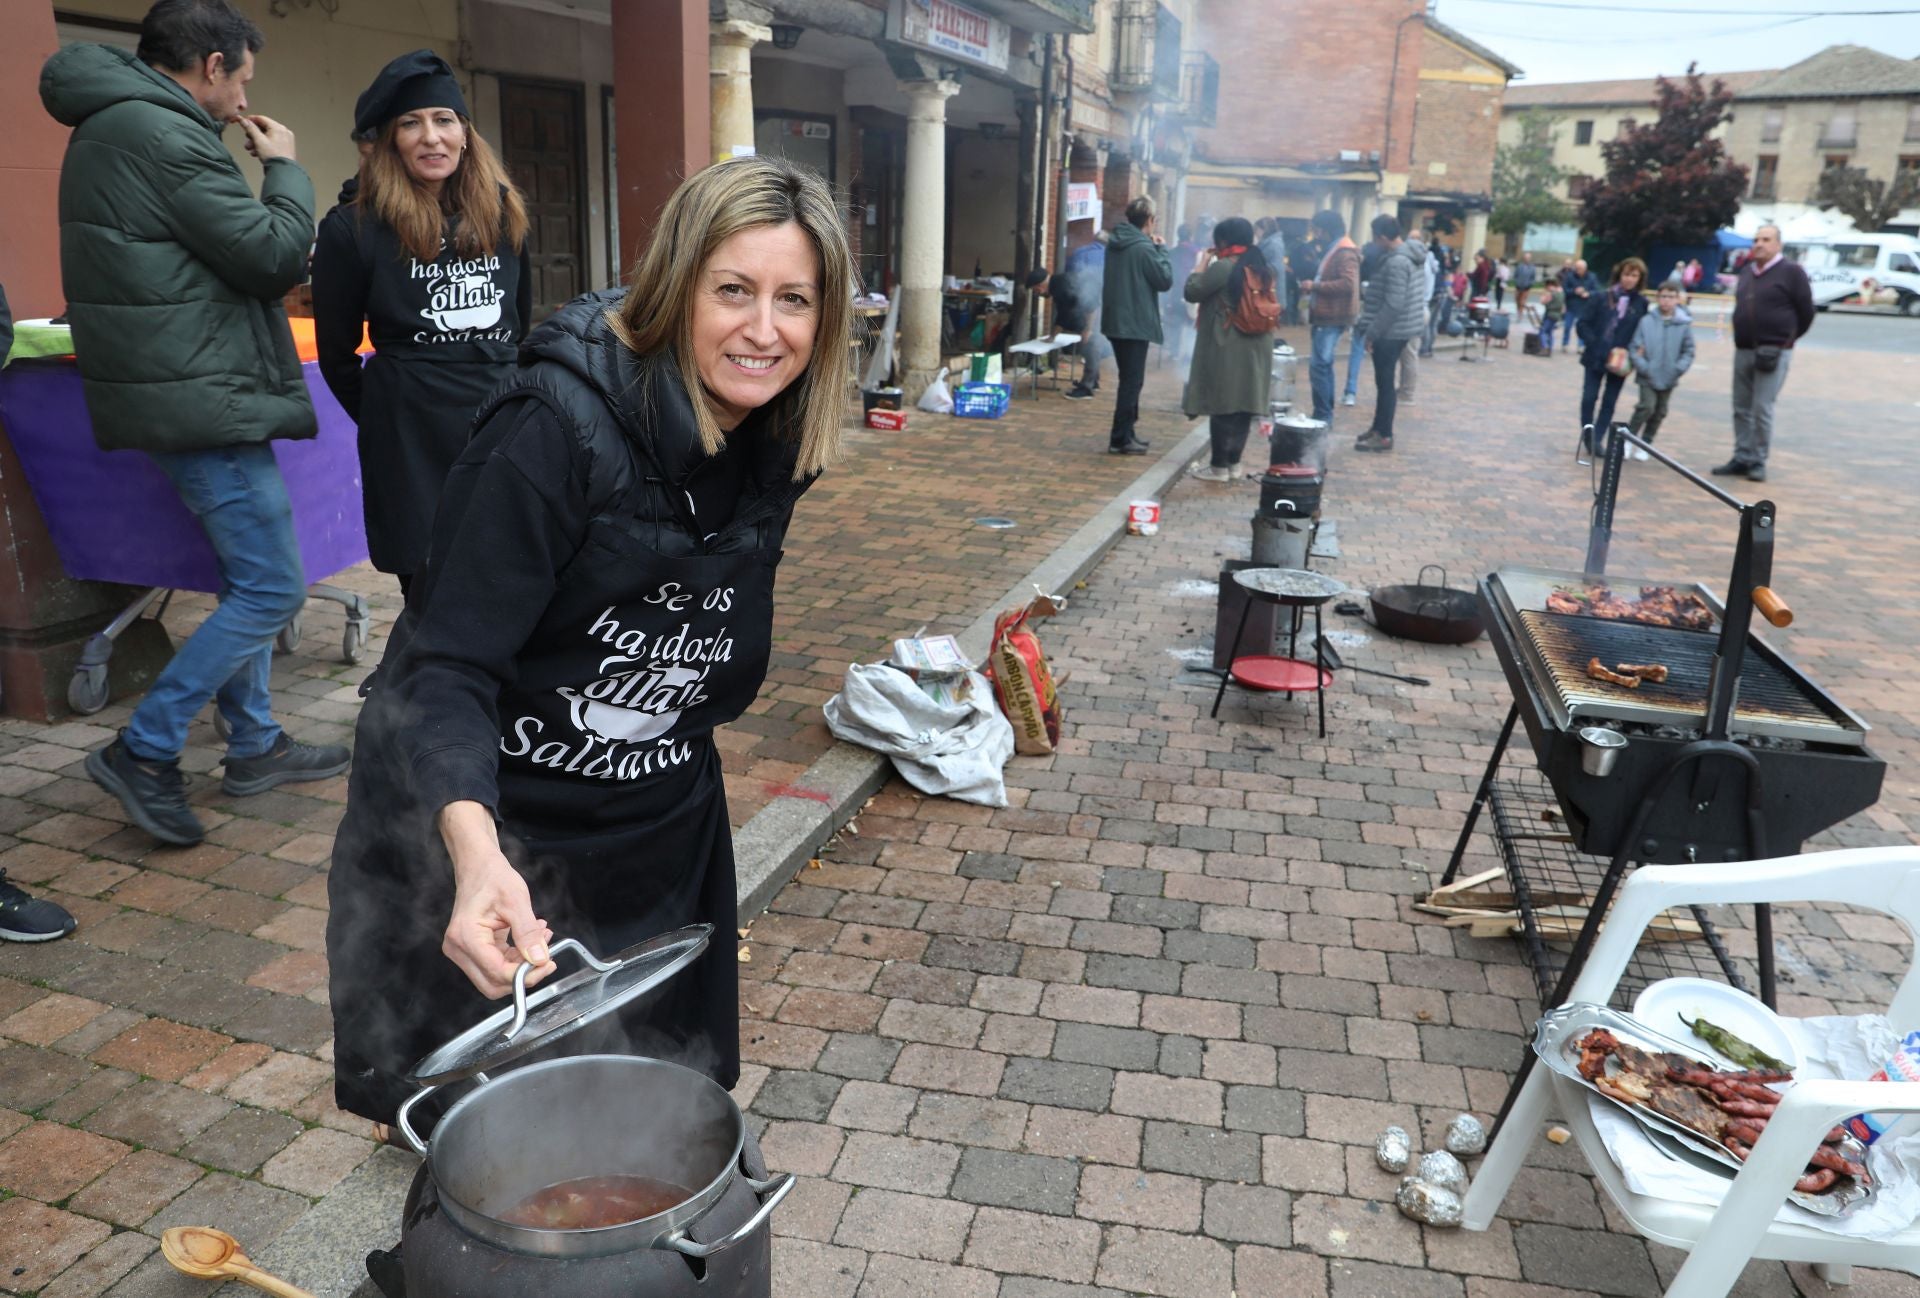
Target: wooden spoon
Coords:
[(209, 1254)]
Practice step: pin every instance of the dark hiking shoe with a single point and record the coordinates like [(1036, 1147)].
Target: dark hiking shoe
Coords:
[(153, 793), (1732, 469), (1758, 473), (1077, 393), (1135, 447), (30, 919), (1372, 441), (288, 762)]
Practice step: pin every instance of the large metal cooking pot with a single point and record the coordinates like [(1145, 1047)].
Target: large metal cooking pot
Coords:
[(1433, 614), (521, 1131)]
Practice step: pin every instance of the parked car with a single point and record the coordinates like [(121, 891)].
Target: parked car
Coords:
[(1841, 266)]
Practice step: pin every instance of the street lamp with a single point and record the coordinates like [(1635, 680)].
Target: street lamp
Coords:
[(786, 35)]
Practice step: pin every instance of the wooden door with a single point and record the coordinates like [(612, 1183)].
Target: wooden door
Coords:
[(543, 146)]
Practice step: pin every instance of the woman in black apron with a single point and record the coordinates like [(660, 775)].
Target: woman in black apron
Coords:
[(428, 250), (535, 756)]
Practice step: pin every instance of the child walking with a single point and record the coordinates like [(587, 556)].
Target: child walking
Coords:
[(1662, 351), (1553, 308)]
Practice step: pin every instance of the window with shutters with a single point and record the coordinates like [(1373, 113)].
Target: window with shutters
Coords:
[(1766, 175), (1583, 132), (1770, 123), (1841, 128)]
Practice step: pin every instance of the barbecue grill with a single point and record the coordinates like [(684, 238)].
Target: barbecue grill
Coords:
[(1735, 756)]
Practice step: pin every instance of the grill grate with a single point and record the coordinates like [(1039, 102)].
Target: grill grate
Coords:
[(1769, 694), (1543, 866)]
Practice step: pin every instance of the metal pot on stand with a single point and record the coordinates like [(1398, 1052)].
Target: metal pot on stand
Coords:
[(545, 1142)]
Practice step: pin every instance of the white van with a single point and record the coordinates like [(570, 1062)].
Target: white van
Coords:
[(1842, 265)]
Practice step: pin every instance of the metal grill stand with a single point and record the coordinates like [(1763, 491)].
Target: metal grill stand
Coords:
[(1700, 760)]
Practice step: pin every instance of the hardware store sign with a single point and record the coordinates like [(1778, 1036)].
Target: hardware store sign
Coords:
[(952, 29)]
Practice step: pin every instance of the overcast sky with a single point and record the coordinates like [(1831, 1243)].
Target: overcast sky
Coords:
[(1587, 40)]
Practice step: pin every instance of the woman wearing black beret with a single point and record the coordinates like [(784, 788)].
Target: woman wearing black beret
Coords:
[(428, 249)]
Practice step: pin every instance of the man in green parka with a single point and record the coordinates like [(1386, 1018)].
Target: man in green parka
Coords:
[(173, 273), (1138, 272)]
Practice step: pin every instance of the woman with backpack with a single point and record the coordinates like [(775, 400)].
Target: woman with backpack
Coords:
[(1232, 373)]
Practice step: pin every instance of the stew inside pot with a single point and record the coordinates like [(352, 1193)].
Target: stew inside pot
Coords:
[(595, 1202)]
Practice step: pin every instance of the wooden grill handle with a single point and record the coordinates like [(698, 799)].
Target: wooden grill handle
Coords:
[(1772, 607)]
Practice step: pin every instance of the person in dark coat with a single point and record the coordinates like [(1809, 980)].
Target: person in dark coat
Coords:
[(1232, 374), (536, 755), (173, 271), (427, 250), (1137, 272), (1607, 323)]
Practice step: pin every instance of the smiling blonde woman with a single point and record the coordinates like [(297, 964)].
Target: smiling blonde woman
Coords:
[(536, 755), (427, 250)]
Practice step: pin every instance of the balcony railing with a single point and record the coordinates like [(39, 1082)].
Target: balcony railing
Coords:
[(1199, 101), (1147, 53)]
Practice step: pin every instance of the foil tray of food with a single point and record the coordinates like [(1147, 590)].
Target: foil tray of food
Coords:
[(1713, 1111)]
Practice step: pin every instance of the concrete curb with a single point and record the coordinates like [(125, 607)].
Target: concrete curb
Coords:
[(782, 836)]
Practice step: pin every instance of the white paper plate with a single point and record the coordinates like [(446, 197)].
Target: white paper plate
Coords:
[(1664, 1004)]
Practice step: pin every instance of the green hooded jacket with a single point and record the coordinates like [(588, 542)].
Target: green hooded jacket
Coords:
[(173, 270), (1138, 272)]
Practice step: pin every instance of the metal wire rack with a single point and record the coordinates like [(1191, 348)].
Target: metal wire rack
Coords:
[(1552, 884)]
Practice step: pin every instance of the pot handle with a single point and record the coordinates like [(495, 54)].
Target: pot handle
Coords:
[(1420, 578), (1446, 613), (405, 1128), (775, 1188)]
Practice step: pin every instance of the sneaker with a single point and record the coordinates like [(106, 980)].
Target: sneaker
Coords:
[(1135, 447), (1078, 393), (1733, 469), (154, 794), (30, 919), (289, 761), (1758, 473), (1639, 453), (1347, 400), (1372, 441), (1210, 473)]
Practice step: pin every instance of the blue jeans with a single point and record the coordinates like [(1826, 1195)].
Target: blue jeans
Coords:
[(1354, 358), (1566, 333), (240, 499), (1320, 368)]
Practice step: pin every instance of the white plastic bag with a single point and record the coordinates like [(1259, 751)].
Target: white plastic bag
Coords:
[(938, 398), (956, 750)]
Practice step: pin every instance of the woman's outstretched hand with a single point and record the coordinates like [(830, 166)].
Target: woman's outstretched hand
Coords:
[(493, 927)]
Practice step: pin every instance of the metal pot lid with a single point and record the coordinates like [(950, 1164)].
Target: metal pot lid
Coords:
[(562, 1004)]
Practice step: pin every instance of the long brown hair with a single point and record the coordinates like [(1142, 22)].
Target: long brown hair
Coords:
[(710, 207), (485, 207)]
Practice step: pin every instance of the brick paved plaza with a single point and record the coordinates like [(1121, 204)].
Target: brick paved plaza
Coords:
[(1133, 1034)]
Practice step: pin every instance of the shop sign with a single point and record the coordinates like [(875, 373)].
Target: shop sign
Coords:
[(1083, 202), (947, 27)]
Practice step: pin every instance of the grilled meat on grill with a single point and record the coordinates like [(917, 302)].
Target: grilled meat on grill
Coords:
[(1598, 671), (1657, 606), (1655, 672)]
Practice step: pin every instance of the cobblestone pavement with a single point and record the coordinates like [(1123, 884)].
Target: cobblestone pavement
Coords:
[(1134, 1033)]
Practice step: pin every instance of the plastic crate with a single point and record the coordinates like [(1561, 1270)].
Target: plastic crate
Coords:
[(982, 400)]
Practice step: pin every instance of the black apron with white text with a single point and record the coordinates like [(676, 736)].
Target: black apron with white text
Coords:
[(611, 804)]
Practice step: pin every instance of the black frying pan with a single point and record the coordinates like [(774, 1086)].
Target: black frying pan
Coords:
[(1432, 614)]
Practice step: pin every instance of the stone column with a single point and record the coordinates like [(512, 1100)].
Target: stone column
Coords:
[(923, 231), (731, 46), (1476, 235)]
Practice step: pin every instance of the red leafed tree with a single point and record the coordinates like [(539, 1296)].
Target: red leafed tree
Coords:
[(1668, 181)]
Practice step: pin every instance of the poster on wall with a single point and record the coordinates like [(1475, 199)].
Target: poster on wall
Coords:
[(1083, 202), (948, 27)]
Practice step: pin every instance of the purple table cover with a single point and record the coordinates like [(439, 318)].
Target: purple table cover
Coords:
[(114, 516)]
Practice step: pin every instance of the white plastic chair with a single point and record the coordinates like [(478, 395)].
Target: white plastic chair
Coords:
[(1722, 1240)]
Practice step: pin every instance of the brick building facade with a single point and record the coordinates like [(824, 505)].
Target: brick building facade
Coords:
[(1456, 130)]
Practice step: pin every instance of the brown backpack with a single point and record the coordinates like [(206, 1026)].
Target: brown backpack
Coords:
[(1258, 309)]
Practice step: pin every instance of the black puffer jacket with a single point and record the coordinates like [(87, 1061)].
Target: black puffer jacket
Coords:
[(585, 432)]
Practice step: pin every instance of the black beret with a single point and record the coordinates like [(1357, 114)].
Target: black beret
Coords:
[(421, 79)]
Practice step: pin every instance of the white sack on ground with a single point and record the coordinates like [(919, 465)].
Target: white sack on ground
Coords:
[(955, 750)]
